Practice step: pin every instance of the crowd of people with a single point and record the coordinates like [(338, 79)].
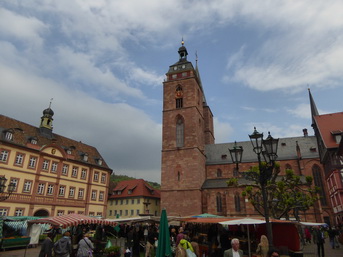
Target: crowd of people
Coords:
[(186, 241), (317, 235)]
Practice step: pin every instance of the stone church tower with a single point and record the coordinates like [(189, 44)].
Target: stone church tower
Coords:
[(187, 128)]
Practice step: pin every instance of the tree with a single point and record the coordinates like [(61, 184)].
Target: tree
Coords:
[(286, 194)]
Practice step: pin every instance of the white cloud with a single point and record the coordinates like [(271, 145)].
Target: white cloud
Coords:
[(222, 131), (26, 29), (302, 111), (304, 49), (126, 137)]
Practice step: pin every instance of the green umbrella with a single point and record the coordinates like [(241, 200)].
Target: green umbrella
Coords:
[(163, 247)]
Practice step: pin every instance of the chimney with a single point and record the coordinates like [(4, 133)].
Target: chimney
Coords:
[(305, 132)]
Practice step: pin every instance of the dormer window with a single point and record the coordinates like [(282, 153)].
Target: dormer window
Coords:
[(34, 141), (337, 134), (68, 151), (9, 135), (85, 157), (129, 191), (99, 161)]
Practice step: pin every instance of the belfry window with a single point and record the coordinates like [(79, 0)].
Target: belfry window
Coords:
[(179, 97), (179, 133), (179, 103)]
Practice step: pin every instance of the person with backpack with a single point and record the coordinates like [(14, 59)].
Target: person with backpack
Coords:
[(85, 247), (63, 247)]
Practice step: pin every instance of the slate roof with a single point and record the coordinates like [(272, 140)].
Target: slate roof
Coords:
[(328, 123), (286, 150), (138, 187), (221, 182), (23, 132)]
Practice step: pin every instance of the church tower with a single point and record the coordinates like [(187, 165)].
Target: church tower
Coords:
[(187, 127)]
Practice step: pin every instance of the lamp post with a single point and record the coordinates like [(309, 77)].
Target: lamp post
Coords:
[(4, 195), (268, 148), (236, 154), (270, 154)]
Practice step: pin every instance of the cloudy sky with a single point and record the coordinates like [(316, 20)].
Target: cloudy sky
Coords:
[(103, 63)]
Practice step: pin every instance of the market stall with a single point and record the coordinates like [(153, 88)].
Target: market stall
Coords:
[(286, 235), (77, 224), (13, 231)]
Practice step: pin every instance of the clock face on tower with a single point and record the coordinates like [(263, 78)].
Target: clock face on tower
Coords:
[(175, 68)]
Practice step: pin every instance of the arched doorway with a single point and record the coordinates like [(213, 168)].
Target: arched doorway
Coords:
[(41, 213)]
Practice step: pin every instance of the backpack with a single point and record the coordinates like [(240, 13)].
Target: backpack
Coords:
[(61, 246)]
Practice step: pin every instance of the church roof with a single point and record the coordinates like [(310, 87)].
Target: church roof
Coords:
[(328, 125), (287, 150), (23, 133), (134, 188)]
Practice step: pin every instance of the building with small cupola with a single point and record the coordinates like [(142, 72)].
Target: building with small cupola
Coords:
[(51, 174)]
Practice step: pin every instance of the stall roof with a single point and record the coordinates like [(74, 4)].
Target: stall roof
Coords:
[(73, 220), (223, 219)]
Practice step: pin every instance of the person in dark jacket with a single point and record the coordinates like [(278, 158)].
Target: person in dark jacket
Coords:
[(47, 245), (320, 242)]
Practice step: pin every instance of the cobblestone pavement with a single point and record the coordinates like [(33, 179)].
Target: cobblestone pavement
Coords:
[(309, 250)]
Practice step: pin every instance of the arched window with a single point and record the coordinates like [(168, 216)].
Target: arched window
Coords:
[(219, 173), (178, 176), (237, 202), (219, 203), (288, 166), (179, 132), (318, 181)]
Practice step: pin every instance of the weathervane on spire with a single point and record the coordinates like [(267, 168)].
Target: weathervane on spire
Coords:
[(50, 102), (182, 42)]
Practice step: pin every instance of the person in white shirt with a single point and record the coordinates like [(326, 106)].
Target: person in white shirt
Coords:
[(234, 251)]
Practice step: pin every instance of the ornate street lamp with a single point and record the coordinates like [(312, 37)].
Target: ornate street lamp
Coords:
[(236, 154), (256, 141), (3, 194), (268, 148)]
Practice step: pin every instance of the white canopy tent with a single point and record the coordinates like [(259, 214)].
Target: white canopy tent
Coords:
[(244, 221)]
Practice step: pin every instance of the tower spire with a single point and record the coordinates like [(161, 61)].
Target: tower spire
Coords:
[(314, 110)]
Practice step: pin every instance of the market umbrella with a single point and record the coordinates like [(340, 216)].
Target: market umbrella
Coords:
[(244, 221), (163, 247)]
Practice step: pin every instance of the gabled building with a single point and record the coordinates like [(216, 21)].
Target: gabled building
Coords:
[(195, 169), (328, 130), (133, 198), (51, 174)]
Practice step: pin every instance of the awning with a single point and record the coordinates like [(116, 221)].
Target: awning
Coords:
[(313, 224), (72, 220), (243, 221)]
